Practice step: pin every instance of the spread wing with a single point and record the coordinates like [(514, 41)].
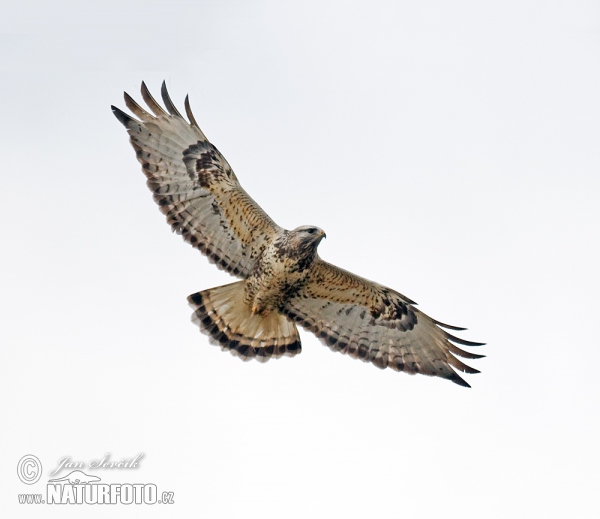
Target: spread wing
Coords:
[(376, 324), (194, 185)]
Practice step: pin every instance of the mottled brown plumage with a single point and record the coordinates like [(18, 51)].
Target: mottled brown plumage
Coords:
[(283, 279)]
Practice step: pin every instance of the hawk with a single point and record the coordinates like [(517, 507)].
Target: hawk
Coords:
[(283, 282)]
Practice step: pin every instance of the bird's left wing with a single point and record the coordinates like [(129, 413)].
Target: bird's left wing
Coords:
[(194, 185), (376, 324)]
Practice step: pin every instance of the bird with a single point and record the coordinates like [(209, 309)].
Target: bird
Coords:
[(283, 282)]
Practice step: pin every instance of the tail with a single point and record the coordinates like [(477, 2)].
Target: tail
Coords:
[(229, 322)]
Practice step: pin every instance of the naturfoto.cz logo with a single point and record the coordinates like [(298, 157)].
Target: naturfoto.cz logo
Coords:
[(78, 487)]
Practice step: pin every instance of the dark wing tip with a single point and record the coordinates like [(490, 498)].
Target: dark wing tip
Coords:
[(458, 380), (123, 118), (136, 108), (188, 111), (463, 341), (151, 102), (449, 326), (167, 100), (462, 353)]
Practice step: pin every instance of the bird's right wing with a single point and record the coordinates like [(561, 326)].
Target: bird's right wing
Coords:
[(195, 187), (376, 324)]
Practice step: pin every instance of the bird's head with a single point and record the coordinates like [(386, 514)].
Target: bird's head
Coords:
[(308, 236)]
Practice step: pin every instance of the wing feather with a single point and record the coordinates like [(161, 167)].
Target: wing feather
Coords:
[(194, 185), (136, 108), (167, 100), (151, 102), (188, 111), (373, 323)]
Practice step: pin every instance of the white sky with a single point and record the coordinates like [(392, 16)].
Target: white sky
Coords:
[(449, 149)]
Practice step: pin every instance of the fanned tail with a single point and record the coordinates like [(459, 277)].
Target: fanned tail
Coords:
[(223, 315)]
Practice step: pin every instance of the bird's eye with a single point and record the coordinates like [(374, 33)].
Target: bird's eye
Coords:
[(311, 231)]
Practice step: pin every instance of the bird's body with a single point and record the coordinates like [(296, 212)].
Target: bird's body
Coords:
[(282, 269), (283, 280)]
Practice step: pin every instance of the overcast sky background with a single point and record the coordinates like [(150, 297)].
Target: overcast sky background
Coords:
[(449, 149)]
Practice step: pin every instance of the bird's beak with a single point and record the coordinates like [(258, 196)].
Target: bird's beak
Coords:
[(323, 235)]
